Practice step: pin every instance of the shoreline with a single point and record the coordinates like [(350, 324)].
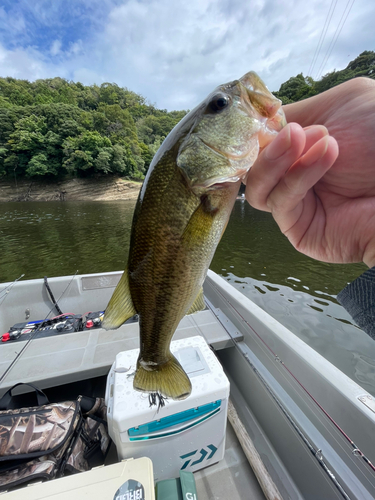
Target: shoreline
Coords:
[(90, 189)]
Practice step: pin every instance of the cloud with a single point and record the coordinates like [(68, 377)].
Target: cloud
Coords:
[(15, 24), (55, 47), (18, 63), (174, 53)]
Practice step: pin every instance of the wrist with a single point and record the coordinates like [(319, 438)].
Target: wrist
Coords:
[(370, 263), (369, 256)]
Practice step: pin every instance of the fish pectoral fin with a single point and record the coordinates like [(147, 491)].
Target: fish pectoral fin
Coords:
[(198, 304), (168, 379), (120, 307)]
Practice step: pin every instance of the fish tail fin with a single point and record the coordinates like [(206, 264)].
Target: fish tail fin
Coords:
[(168, 379)]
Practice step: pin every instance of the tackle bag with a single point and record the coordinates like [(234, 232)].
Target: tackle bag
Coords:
[(50, 440)]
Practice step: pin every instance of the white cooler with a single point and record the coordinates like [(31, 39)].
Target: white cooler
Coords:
[(188, 434), (129, 480)]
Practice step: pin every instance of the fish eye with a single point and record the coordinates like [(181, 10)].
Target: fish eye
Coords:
[(219, 102)]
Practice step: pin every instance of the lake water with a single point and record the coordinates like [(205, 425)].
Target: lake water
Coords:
[(54, 239)]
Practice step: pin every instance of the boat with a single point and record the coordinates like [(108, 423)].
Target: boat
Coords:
[(311, 429)]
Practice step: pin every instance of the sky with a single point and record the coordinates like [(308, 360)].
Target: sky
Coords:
[(176, 52)]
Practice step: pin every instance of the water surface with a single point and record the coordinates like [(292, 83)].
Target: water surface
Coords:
[(54, 239)]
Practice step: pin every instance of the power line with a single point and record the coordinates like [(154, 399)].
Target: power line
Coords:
[(336, 35), (322, 36)]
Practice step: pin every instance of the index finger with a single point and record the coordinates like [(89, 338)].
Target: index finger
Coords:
[(276, 159)]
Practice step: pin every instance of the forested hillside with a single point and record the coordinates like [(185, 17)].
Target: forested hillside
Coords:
[(300, 87), (55, 128), (59, 129)]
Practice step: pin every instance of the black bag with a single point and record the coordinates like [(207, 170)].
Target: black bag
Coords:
[(51, 439)]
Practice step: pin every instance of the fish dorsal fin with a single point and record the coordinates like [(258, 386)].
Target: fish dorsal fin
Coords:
[(198, 304), (120, 307)]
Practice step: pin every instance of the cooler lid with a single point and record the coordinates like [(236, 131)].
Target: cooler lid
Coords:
[(128, 479), (128, 408)]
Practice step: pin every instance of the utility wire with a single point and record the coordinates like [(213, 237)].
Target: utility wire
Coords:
[(336, 35), (322, 36)]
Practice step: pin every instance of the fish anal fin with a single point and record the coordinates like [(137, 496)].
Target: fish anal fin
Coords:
[(120, 307), (168, 379), (198, 304)]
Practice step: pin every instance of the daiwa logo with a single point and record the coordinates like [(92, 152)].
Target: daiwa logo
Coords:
[(202, 456)]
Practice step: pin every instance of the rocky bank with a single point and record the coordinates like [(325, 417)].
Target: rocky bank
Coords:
[(106, 188)]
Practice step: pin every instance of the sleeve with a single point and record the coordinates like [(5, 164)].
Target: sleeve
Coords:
[(358, 298)]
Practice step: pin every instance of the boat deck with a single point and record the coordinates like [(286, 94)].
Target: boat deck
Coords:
[(302, 413), (232, 478), (92, 354), (62, 359)]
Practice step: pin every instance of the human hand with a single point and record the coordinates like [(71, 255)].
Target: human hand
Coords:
[(319, 181)]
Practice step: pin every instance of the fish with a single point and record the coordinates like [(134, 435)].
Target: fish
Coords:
[(182, 211)]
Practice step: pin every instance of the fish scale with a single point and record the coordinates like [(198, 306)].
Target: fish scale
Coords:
[(182, 211)]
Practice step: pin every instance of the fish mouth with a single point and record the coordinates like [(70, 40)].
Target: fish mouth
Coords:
[(223, 182), (228, 155), (258, 97)]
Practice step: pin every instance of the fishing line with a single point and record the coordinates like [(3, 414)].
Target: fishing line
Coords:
[(34, 333), (8, 288), (356, 450), (58, 300), (317, 453)]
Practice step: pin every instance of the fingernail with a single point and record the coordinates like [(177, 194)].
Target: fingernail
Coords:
[(316, 153), (313, 129), (279, 145)]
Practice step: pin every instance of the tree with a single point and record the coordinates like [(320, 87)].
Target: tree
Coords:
[(3, 155), (38, 165), (55, 127), (28, 135), (82, 151), (38, 149), (296, 88)]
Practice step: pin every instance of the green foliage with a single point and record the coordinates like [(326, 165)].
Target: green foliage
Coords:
[(363, 65), (54, 127), (38, 165), (296, 88), (82, 151), (300, 87)]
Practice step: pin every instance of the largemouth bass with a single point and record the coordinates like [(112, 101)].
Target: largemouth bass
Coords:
[(181, 213)]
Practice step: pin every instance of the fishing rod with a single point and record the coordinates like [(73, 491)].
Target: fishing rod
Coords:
[(317, 453), (8, 288), (33, 335), (52, 297)]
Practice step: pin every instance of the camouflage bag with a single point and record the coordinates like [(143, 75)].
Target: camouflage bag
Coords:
[(92, 446), (48, 440)]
